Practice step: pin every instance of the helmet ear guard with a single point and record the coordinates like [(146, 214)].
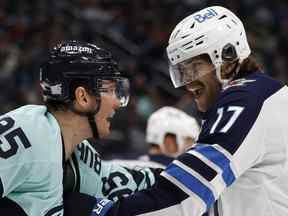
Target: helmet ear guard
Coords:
[(230, 63), (229, 53)]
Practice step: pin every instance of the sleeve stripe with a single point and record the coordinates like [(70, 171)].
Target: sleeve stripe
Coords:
[(55, 210), (192, 183), (219, 159), (198, 166)]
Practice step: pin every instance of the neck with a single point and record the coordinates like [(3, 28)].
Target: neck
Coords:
[(74, 129)]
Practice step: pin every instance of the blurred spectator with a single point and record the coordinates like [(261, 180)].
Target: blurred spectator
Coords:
[(138, 32)]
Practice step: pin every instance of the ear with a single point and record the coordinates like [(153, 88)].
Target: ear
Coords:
[(83, 100), (227, 69)]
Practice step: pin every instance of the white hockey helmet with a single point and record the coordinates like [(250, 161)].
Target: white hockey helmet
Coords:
[(169, 120), (208, 31)]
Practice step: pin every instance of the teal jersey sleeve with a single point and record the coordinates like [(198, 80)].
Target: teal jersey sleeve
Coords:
[(107, 179), (31, 170)]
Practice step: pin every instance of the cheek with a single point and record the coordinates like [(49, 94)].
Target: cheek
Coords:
[(213, 92), (203, 102), (106, 106)]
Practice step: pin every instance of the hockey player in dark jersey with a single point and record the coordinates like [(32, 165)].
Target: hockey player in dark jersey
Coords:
[(239, 165)]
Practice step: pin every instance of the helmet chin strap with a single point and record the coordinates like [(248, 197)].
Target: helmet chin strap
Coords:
[(91, 117)]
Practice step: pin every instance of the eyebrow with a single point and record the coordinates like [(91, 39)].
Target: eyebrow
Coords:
[(108, 83)]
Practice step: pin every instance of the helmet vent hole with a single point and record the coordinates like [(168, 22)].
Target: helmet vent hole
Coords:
[(175, 35), (200, 42), (222, 17), (178, 56), (193, 25), (234, 21), (184, 36), (228, 26), (237, 43), (199, 37), (187, 43), (189, 47)]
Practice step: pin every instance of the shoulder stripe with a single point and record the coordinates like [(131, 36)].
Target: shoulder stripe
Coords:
[(191, 183)]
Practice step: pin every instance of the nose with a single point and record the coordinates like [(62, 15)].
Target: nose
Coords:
[(116, 103)]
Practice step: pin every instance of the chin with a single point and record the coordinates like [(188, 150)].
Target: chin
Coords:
[(200, 108), (104, 134)]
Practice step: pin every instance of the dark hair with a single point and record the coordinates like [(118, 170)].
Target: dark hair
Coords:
[(153, 145), (248, 66)]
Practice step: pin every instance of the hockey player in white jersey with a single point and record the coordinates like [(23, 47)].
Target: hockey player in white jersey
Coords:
[(169, 132), (82, 88), (239, 165)]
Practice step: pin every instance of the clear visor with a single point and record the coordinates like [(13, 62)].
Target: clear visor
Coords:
[(123, 91), (118, 87), (189, 70)]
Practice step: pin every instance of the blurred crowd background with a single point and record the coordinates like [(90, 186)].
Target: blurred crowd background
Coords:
[(136, 32)]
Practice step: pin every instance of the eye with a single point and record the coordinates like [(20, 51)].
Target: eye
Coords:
[(109, 88), (110, 91)]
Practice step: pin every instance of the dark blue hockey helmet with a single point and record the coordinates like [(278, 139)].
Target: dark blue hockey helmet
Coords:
[(71, 61)]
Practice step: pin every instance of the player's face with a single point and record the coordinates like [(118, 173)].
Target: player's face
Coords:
[(109, 103), (205, 88), (170, 145)]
